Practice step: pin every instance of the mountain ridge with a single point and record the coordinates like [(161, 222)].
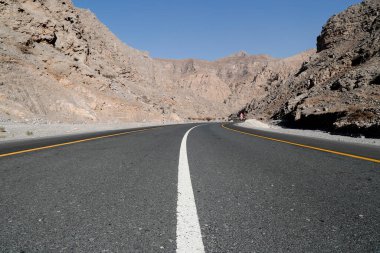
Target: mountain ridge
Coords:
[(338, 88), (61, 64)]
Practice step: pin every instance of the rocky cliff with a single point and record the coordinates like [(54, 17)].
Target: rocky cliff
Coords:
[(60, 64), (338, 89)]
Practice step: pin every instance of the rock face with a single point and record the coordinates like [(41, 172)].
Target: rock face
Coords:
[(338, 89), (227, 84), (60, 64)]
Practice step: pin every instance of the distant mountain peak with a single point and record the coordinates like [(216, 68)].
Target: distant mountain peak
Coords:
[(240, 54)]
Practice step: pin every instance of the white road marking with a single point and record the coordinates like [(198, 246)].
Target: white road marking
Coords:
[(189, 236)]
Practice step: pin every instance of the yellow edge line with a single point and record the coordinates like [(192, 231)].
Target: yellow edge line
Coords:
[(72, 142), (306, 146)]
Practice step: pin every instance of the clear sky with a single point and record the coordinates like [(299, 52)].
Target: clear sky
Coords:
[(211, 29)]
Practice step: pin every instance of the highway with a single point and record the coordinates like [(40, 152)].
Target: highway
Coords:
[(189, 188)]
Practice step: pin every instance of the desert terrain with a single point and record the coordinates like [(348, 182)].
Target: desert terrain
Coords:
[(60, 64)]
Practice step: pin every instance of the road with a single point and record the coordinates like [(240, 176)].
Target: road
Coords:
[(218, 190)]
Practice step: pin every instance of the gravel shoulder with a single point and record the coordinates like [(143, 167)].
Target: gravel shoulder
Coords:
[(10, 131), (256, 124)]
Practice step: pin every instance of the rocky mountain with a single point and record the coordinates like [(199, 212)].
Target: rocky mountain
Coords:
[(228, 83), (60, 64), (338, 89)]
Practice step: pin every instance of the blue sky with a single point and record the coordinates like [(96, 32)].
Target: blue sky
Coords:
[(211, 29)]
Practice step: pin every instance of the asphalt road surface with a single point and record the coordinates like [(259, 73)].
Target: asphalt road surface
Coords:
[(208, 189)]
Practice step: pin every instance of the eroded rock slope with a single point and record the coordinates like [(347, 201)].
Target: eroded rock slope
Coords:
[(60, 64), (338, 89)]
